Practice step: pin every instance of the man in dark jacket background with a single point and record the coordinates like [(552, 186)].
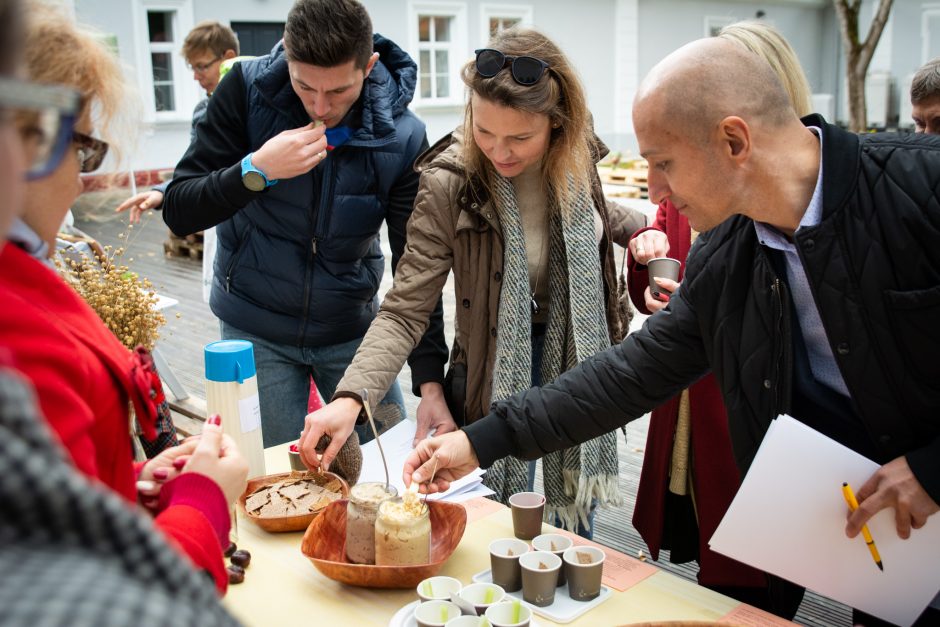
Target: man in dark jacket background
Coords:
[(815, 292), (302, 155)]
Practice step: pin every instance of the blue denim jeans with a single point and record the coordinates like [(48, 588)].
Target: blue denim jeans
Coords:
[(538, 342), (284, 383)]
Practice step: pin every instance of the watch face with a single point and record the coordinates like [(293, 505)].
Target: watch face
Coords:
[(253, 181)]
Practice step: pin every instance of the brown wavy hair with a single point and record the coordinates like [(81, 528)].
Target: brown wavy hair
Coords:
[(558, 94), (58, 51)]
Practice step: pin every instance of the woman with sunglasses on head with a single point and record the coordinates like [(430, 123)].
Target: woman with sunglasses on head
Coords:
[(84, 377), (512, 204)]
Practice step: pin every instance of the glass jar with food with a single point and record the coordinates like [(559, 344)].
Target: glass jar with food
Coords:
[(361, 512), (403, 532)]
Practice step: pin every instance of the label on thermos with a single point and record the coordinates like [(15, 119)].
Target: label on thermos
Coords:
[(249, 412)]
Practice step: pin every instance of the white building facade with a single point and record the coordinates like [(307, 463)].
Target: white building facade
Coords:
[(613, 43)]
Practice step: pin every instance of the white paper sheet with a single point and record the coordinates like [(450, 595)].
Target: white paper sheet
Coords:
[(788, 518), (396, 442)]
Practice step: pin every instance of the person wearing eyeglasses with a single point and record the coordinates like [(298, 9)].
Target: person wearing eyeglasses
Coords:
[(511, 203), (84, 377), (206, 46), (302, 156)]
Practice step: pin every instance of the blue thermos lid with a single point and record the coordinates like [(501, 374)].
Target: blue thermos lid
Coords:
[(230, 360)]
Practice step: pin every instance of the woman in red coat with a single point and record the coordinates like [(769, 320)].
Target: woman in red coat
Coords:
[(84, 377), (689, 475)]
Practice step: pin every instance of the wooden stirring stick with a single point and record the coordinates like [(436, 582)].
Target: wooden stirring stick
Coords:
[(364, 394)]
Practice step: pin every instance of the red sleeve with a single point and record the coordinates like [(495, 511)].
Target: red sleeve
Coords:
[(637, 276), (191, 532), (45, 360), (194, 514)]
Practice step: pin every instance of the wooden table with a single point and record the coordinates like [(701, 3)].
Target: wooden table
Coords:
[(283, 588)]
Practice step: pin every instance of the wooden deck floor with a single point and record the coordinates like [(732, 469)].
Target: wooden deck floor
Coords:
[(191, 325)]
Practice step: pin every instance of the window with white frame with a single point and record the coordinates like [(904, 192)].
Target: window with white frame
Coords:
[(438, 45), (160, 26), (497, 17), (714, 24), (163, 42)]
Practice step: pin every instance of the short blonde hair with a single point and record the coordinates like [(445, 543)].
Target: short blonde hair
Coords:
[(210, 36), (558, 94), (58, 51), (768, 43)]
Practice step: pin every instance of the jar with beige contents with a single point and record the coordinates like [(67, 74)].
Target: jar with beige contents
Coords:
[(361, 513), (403, 532)]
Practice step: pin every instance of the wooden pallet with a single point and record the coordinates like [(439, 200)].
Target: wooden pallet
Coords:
[(190, 246)]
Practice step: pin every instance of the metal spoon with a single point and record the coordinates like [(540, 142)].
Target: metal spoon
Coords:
[(364, 394)]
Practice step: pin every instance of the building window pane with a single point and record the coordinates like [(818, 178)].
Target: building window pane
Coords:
[(163, 97), (443, 86), (424, 28), (162, 67), (442, 29), (160, 24)]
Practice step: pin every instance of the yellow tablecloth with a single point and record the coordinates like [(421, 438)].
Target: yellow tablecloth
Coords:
[(283, 588)]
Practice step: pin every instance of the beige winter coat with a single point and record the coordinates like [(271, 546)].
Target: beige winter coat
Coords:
[(454, 226)]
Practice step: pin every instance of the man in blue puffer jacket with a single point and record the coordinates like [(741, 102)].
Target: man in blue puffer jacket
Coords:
[(302, 155)]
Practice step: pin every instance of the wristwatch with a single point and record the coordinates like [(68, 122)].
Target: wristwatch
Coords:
[(253, 178)]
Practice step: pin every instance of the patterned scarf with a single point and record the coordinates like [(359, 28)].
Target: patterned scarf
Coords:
[(576, 329)]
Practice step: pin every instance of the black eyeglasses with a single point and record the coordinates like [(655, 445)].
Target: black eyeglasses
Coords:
[(45, 116), (202, 68), (525, 70), (91, 151)]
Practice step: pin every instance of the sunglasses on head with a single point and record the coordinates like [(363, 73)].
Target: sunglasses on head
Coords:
[(525, 70), (91, 151), (45, 115)]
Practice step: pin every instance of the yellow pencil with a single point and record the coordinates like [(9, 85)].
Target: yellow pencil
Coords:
[(853, 505)]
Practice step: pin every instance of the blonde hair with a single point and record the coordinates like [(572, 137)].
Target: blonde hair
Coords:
[(769, 44), (210, 36), (558, 94), (60, 52)]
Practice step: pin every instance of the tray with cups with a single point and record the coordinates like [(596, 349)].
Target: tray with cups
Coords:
[(560, 584), (446, 602)]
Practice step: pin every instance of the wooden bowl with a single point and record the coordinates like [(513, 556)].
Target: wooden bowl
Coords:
[(325, 544), (295, 522)]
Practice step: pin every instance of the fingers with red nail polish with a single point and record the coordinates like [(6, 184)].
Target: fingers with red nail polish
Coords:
[(215, 419)]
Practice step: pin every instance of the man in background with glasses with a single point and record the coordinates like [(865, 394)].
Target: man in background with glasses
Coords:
[(205, 48), (302, 156)]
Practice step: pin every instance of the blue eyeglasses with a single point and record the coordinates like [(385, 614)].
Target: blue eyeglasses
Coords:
[(45, 115)]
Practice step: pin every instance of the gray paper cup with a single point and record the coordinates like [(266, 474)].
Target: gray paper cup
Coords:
[(539, 577), (554, 543), (584, 566), (504, 562), (664, 268), (527, 510)]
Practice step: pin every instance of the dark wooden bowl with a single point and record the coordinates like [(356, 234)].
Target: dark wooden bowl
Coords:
[(325, 544), (296, 522)]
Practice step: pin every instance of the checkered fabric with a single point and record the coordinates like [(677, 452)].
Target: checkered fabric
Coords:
[(72, 553)]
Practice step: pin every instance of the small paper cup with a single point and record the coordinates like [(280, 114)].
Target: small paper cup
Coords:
[(503, 615), (505, 567), (435, 613), (527, 510), (553, 543), (464, 621), (539, 577), (438, 588), (584, 579), (664, 268), (476, 595)]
